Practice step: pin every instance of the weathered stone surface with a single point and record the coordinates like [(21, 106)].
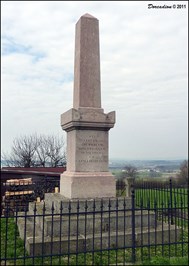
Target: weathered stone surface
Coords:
[(87, 118), (86, 124), (90, 225), (88, 151), (87, 185), (94, 204), (111, 240), (87, 63)]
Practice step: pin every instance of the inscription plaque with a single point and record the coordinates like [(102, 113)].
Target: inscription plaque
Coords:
[(92, 149)]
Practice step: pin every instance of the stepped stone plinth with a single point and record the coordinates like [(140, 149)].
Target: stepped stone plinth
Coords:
[(66, 226)]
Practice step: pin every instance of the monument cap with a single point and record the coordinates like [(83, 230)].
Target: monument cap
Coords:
[(87, 15)]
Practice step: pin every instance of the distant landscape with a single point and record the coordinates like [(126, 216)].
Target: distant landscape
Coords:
[(145, 168), (142, 164)]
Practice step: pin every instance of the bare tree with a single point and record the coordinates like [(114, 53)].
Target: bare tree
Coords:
[(23, 152), (55, 151), (130, 171), (41, 152), (127, 179), (34, 150)]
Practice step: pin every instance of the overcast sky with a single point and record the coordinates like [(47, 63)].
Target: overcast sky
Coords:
[(144, 71)]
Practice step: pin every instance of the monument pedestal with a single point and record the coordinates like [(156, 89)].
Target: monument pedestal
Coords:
[(87, 174), (78, 185)]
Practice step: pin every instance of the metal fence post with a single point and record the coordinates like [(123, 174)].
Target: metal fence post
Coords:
[(171, 199), (133, 225)]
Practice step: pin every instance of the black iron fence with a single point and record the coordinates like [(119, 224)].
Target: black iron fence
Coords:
[(161, 191), (17, 193), (95, 232), (170, 199)]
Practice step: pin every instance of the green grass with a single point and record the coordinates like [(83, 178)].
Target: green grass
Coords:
[(166, 261), (153, 198), (14, 248), (163, 199)]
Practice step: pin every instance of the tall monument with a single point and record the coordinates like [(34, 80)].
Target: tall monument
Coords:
[(86, 124), (64, 225)]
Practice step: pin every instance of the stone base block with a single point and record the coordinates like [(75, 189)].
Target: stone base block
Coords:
[(87, 227), (107, 240), (71, 205), (75, 185)]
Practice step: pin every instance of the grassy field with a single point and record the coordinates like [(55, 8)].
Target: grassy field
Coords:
[(146, 175), (162, 198), (172, 205), (12, 248)]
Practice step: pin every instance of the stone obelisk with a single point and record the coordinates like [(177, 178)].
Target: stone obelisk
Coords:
[(86, 124)]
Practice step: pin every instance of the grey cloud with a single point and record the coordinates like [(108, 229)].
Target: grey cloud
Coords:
[(143, 72)]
